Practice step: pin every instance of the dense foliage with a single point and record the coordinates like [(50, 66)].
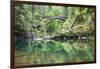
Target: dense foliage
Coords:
[(54, 20)]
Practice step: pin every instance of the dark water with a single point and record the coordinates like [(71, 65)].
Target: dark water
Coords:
[(50, 52)]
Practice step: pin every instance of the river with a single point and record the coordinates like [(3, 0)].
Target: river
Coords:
[(51, 52)]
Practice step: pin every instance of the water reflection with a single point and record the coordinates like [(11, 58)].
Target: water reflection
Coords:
[(29, 51)]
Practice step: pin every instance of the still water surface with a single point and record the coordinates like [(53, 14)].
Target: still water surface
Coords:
[(51, 52)]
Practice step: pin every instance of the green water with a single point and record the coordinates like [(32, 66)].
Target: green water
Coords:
[(52, 52)]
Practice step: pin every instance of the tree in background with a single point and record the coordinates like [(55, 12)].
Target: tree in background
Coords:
[(54, 20)]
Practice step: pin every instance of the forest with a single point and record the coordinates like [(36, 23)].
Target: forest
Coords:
[(53, 33)]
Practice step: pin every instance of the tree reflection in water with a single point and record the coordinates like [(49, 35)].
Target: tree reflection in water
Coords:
[(29, 51)]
